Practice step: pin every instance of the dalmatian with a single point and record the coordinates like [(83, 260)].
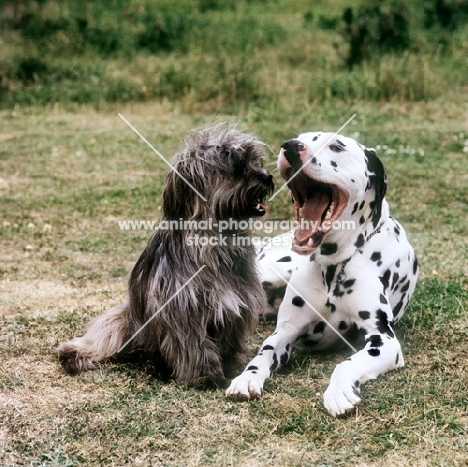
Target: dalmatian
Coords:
[(349, 269)]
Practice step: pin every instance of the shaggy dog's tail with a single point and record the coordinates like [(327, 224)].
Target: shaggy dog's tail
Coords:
[(105, 335)]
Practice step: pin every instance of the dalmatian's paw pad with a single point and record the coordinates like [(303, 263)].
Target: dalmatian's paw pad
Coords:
[(340, 401), (244, 388)]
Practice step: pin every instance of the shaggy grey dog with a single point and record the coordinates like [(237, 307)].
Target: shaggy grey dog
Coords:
[(191, 323)]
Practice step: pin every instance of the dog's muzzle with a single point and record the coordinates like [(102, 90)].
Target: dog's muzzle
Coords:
[(267, 178), (292, 150), (317, 203)]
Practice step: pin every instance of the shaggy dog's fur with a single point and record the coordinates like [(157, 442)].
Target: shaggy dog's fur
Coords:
[(193, 330)]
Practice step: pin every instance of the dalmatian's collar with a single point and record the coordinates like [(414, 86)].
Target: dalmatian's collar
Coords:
[(341, 275)]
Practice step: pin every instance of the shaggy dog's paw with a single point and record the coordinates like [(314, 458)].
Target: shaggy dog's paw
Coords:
[(245, 387), (207, 382), (71, 359)]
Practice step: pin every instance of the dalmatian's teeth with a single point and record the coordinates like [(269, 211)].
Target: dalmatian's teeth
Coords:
[(310, 242), (330, 211)]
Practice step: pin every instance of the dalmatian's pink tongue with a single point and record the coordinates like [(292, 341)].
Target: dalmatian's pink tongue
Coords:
[(312, 212)]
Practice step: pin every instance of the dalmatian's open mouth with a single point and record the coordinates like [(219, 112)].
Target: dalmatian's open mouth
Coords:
[(317, 206)]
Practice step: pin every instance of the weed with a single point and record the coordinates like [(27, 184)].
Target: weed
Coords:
[(445, 14), (167, 32), (375, 29)]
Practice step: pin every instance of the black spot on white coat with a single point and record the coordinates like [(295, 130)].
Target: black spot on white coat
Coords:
[(385, 279), (330, 305), (329, 275), (364, 314), (360, 241), (285, 259), (383, 324), (274, 365), (328, 249), (298, 301), (319, 327), (376, 256), (383, 299), (375, 340)]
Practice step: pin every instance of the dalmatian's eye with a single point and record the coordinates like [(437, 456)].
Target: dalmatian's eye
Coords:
[(337, 146)]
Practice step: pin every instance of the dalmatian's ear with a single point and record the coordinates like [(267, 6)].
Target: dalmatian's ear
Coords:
[(378, 181)]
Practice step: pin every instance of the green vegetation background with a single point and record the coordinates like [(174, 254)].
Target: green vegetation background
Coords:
[(219, 54)]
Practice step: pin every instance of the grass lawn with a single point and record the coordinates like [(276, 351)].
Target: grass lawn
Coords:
[(67, 177)]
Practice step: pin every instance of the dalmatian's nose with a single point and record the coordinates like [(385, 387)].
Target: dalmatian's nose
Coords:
[(292, 152)]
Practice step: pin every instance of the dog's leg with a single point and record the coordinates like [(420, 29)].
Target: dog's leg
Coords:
[(274, 352), (192, 355), (232, 343), (381, 353), (195, 361), (104, 336)]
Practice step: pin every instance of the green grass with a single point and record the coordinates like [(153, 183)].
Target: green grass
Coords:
[(70, 169)]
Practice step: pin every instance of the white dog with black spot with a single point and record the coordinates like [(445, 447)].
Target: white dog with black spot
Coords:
[(340, 280)]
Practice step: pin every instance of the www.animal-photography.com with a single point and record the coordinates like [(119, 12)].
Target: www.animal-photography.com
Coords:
[(234, 233)]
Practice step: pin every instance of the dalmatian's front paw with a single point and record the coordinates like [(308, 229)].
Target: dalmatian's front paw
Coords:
[(341, 399), (245, 387)]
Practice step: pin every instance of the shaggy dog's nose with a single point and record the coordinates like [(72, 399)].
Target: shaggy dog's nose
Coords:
[(267, 178)]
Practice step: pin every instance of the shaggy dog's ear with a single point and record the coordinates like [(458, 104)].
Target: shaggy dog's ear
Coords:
[(179, 199), (378, 181)]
